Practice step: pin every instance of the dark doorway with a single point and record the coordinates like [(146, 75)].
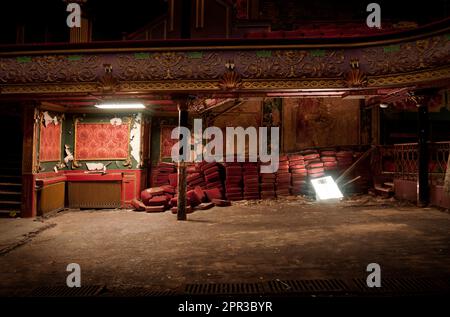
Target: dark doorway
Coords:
[(11, 139)]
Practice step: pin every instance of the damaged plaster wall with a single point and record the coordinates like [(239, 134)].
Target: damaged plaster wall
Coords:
[(135, 140), (68, 138), (317, 122)]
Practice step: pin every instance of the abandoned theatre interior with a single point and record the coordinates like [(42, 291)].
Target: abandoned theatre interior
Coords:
[(88, 105)]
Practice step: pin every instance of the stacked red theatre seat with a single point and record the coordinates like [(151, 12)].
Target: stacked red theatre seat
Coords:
[(194, 177), (213, 193), (330, 164), (161, 173), (189, 209), (344, 160), (267, 185), (251, 180), (314, 165), (194, 197), (213, 175), (315, 169), (298, 173), (173, 179), (233, 181), (156, 199), (283, 177)]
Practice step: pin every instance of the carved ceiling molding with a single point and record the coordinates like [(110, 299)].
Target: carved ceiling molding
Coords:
[(214, 86), (231, 79), (207, 64), (108, 83), (355, 77), (409, 78)]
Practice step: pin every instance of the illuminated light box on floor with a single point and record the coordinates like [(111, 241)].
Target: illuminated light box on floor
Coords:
[(326, 189)]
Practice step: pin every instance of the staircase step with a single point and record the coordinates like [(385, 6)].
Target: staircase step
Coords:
[(11, 163), (7, 212), (7, 192), (8, 202), (11, 172), (10, 176), (11, 184), (10, 179)]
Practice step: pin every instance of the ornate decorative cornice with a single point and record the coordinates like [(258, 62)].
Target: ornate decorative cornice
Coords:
[(355, 77), (108, 84), (231, 79), (181, 70), (246, 85)]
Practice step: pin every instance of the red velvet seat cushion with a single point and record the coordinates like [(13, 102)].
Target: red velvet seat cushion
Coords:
[(213, 193)]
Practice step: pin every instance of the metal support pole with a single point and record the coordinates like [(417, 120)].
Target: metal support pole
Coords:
[(182, 122), (423, 156)]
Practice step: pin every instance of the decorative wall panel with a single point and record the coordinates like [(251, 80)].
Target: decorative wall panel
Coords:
[(50, 143), (101, 141), (167, 142)]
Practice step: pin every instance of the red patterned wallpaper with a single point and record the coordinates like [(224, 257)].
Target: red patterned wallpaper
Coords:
[(166, 141), (50, 143), (101, 141)]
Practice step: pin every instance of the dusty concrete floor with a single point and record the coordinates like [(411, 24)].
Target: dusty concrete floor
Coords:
[(17, 231), (248, 242)]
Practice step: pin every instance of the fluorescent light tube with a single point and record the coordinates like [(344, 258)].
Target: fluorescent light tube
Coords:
[(135, 105), (326, 188)]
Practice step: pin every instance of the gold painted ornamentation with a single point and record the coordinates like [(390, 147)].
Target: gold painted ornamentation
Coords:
[(355, 77), (231, 80), (108, 83)]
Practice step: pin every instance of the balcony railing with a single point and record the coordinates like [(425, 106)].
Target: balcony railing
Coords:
[(401, 161)]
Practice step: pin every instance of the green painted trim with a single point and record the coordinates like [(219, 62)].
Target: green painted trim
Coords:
[(264, 53), (23, 59), (195, 54), (318, 53), (73, 58), (391, 48), (141, 55)]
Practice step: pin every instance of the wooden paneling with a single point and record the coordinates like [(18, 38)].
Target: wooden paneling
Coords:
[(130, 188), (51, 198), (28, 208), (94, 194), (439, 198), (405, 190)]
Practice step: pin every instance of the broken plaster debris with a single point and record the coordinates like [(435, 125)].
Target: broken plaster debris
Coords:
[(116, 121), (97, 166), (48, 119)]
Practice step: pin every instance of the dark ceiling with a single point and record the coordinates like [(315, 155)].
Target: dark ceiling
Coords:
[(45, 21)]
